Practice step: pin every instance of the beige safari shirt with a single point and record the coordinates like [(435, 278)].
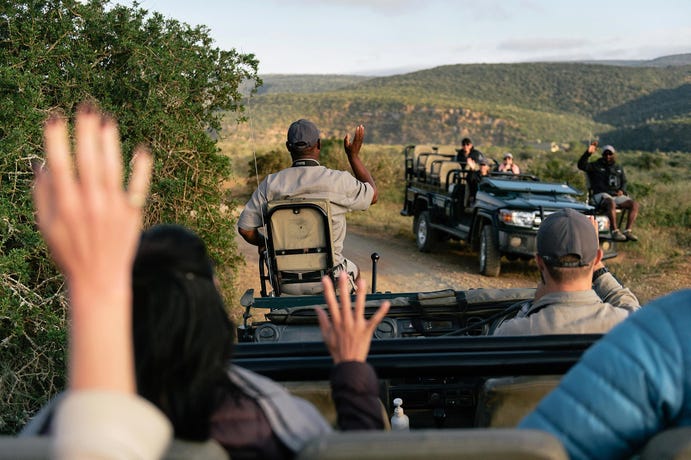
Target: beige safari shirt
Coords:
[(340, 188), (594, 311)]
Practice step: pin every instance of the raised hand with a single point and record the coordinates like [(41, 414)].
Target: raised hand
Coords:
[(348, 334), (92, 225), (353, 148)]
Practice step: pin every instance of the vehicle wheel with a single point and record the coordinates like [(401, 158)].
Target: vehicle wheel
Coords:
[(425, 236), (490, 258)]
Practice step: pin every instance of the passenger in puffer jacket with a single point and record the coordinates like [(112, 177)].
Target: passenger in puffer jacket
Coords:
[(632, 384)]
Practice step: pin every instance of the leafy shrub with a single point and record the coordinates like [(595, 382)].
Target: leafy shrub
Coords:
[(167, 86)]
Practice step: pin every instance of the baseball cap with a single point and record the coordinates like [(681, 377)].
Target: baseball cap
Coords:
[(567, 232), (483, 161), (302, 134), (508, 155), (608, 147)]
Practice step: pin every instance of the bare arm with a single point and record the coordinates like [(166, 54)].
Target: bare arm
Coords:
[(92, 226), (353, 151), (253, 236)]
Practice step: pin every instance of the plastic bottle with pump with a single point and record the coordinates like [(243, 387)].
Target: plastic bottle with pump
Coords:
[(399, 421)]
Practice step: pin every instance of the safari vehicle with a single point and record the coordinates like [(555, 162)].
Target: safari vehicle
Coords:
[(500, 220)]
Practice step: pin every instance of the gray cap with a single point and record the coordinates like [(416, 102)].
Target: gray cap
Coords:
[(302, 134), (608, 147), (508, 155), (567, 232)]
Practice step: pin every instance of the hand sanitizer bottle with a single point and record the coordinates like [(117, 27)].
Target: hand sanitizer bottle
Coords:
[(399, 421)]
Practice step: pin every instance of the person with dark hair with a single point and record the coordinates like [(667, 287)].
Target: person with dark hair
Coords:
[(608, 183), (469, 155), (307, 178), (183, 348), (632, 384), (576, 293)]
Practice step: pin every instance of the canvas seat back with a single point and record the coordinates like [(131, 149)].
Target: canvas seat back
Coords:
[(504, 401), (673, 443), (299, 245)]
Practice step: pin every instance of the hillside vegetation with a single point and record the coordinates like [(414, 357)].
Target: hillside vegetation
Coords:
[(645, 108)]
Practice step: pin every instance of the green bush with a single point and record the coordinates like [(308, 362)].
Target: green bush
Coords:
[(167, 86)]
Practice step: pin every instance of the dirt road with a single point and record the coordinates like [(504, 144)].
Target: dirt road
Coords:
[(402, 268)]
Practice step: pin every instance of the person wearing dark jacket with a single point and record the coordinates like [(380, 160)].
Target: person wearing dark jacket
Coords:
[(608, 184), (469, 155)]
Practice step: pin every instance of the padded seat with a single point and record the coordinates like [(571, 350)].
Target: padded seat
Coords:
[(504, 401), (435, 444)]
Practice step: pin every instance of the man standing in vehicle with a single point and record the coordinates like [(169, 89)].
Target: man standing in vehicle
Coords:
[(469, 155), (306, 178), (576, 293), (608, 183)]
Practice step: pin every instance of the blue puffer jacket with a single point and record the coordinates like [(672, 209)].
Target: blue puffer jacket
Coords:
[(633, 383)]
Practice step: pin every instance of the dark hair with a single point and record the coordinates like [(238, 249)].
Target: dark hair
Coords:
[(466, 141), (183, 338)]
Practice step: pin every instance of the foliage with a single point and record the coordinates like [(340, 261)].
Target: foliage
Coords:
[(262, 165), (167, 86)]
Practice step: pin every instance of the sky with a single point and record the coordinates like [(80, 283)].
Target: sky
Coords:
[(386, 37)]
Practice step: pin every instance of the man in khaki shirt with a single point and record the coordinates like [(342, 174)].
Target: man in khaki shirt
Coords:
[(576, 294), (306, 178)]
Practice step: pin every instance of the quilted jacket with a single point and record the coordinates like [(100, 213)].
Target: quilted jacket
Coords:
[(633, 383)]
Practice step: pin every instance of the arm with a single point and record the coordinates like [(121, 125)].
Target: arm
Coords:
[(92, 229), (583, 164), (348, 336), (253, 236), (91, 226), (352, 149), (611, 291)]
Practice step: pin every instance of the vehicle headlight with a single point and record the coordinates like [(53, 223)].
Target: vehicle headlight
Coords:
[(602, 223), (517, 218)]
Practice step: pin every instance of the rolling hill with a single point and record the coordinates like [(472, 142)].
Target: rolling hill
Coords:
[(643, 107)]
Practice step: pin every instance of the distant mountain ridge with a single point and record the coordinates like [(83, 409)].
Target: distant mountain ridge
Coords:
[(643, 106), (664, 61)]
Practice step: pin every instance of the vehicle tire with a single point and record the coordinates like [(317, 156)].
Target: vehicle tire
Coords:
[(490, 258), (425, 236)]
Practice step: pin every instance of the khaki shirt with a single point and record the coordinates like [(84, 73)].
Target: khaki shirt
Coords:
[(340, 188), (594, 311)]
